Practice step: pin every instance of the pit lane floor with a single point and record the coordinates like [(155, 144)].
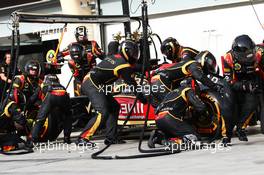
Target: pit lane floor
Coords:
[(241, 158)]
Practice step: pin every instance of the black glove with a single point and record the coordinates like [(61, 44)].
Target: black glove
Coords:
[(158, 108), (250, 86), (34, 96), (219, 89), (154, 64), (60, 58), (187, 82)]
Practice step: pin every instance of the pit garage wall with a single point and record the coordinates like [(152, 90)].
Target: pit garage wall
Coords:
[(213, 29), (165, 6), (52, 31)]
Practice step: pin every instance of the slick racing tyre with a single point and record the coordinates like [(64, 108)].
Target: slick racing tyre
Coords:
[(209, 123)]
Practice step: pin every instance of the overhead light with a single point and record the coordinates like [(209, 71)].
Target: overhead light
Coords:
[(83, 4), (91, 4)]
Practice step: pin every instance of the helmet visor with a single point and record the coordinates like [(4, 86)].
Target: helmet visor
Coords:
[(81, 33), (33, 70), (244, 55)]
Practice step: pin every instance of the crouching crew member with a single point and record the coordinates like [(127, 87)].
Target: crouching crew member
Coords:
[(24, 96), (171, 77), (171, 113), (55, 96)]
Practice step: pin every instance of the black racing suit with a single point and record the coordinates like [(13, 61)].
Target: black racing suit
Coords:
[(171, 112), (187, 52), (170, 78), (244, 77), (4, 70), (80, 68), (25, 96), (97, 86), (260, 112), (55, 97), (224, 101)]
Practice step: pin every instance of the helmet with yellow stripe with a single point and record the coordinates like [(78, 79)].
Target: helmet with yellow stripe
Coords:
[(208, 62), (130, 51), (170, 48)]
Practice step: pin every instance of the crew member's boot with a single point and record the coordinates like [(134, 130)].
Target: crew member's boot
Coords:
[(241, 134), (85, 142), (156, 137)]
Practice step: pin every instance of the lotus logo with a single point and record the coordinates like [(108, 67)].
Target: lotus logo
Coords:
[(237, 66)]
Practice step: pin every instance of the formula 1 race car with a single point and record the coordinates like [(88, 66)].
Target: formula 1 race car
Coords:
[(211, 126)]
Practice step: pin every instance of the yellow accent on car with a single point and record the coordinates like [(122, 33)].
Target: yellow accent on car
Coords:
[(133, 122)]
